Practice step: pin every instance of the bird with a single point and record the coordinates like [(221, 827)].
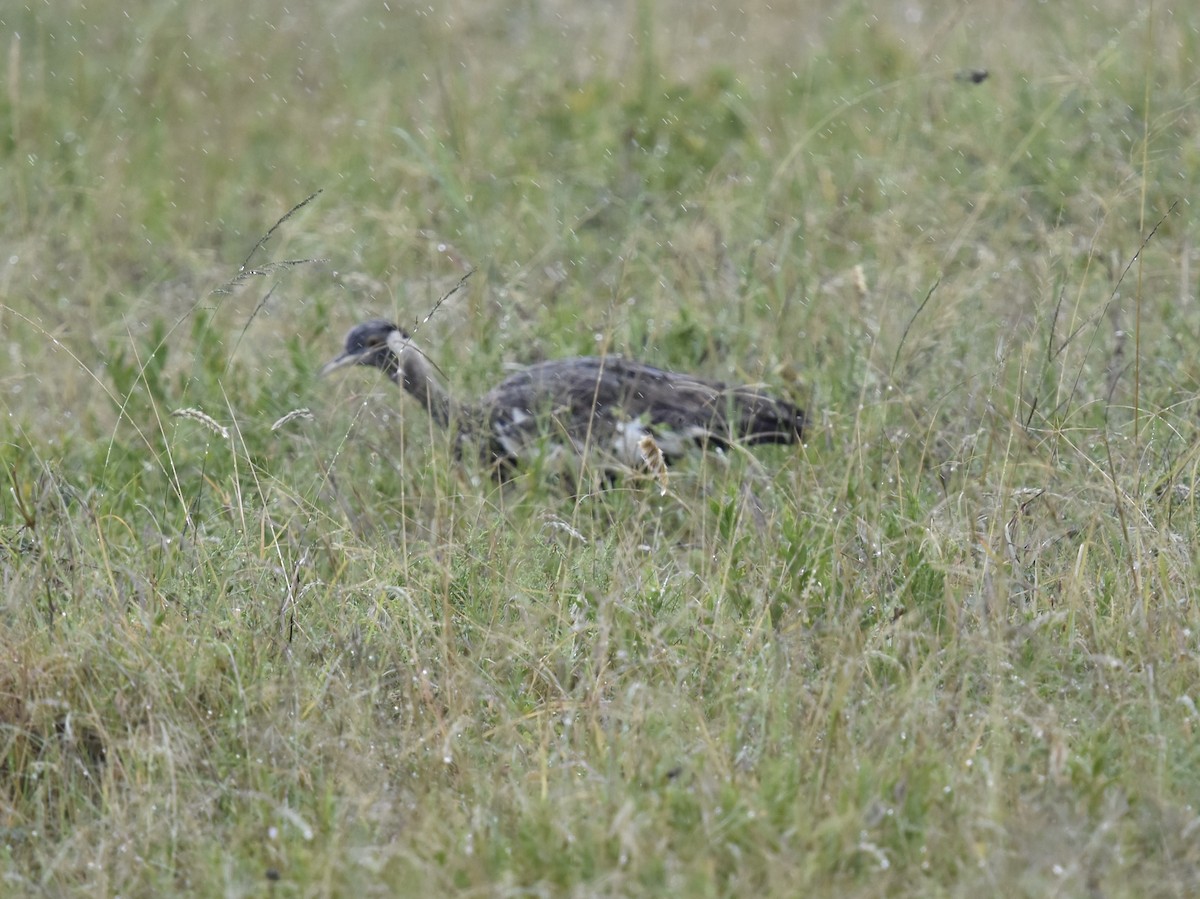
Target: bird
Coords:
[(603, 404)]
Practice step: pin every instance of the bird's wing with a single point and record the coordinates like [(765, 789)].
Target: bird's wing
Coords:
[(575, 392), (600, 386), (613, 402)]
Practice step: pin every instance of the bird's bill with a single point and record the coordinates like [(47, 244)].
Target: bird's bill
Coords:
[(340, 362)]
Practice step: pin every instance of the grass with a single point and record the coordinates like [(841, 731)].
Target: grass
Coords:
[(946, 648)]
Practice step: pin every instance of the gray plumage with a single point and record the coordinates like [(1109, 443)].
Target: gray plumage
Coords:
[(605, 404)]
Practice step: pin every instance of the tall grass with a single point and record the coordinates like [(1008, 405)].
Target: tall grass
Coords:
[(947, 647)]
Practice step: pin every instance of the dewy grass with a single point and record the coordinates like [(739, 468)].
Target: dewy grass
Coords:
[(284, 644)]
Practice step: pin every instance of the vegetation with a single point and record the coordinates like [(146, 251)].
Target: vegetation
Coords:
[(261, 635)]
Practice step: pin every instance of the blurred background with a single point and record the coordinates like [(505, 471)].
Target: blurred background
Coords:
[(696, 184)]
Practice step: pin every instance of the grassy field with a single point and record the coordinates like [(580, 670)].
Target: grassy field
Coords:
[(949, 647)]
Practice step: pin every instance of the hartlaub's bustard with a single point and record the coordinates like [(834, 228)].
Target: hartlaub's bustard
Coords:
[(607, 404)]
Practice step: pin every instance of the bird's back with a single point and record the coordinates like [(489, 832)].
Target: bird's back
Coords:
[(610, 401)]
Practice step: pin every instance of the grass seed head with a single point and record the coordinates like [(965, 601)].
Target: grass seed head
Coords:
[(304, 413), (653, 457), (207, 420)]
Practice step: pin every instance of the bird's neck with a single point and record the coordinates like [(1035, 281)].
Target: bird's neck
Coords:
[(417, 375)]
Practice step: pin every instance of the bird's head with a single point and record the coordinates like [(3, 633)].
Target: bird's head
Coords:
[(367, 344)]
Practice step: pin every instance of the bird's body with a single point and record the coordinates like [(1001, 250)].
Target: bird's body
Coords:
[(605, 405)]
